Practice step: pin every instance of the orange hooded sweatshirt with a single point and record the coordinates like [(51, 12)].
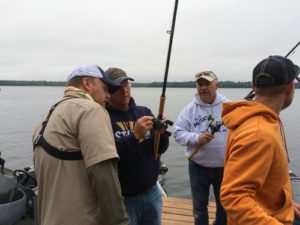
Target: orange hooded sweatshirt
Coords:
[(256, 189)]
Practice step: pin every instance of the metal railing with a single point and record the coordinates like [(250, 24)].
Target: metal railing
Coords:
[(295, 182)]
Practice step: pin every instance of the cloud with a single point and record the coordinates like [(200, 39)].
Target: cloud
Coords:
[(45, 40)]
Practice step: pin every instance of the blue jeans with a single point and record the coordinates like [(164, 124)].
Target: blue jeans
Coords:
[(296, 220), (200, 179), (145, 208)]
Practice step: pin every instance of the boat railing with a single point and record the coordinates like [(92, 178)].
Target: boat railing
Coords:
[(295, 183)]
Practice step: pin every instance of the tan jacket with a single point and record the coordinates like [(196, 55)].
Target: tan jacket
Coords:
[(68, 192)]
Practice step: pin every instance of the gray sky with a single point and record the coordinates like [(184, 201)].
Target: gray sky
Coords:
[(47, 39)]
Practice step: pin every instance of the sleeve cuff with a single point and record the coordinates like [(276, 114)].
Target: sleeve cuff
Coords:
[(137, 140)]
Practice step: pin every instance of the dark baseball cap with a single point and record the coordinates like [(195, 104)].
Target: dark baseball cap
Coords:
[(273, 71), (117, 75)]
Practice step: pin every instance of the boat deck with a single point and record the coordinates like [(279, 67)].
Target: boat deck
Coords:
[(178, 211)]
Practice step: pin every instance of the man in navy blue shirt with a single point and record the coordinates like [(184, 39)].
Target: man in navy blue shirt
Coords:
[(134, 135)]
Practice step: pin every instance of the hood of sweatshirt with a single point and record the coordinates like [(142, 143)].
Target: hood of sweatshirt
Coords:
[(235, 113)]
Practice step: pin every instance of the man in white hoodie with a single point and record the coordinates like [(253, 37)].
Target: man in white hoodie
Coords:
[(199, 128)]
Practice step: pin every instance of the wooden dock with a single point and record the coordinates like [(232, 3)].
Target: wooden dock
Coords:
[(177, 211)]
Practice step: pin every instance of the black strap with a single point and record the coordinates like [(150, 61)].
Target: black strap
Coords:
[(57, 153), (41, 141)]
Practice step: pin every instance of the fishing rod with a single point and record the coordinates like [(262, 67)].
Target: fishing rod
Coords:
[(290, 52), (212, 129), (2, 162), (163, 95), (251, 94)]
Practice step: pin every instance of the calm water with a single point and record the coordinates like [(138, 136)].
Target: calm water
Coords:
[(22, 108)]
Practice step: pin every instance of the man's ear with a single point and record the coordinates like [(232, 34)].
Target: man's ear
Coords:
[(290, 87), (86, 84)]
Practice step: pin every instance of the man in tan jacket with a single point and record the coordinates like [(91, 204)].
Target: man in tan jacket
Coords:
[(75, 156)]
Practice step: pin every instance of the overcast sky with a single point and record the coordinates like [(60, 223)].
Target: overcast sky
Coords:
[(47, 39)]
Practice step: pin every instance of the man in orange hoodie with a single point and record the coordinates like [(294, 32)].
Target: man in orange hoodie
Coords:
[(256, 189)]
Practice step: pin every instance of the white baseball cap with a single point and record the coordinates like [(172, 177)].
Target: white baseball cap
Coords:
[(207, 75), (94, 71)]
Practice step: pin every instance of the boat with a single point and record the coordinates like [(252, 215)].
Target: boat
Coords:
[(19, 189)]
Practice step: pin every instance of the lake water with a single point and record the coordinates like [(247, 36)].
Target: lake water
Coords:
[(22, 107)]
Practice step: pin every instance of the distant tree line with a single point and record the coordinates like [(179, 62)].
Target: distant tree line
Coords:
[(184, 84), (191, 84), (31, 83)]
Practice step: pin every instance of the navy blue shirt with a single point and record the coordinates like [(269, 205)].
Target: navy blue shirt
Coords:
[(137, 168)]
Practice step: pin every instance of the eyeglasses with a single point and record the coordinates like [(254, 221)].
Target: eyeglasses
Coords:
[(125, 86)]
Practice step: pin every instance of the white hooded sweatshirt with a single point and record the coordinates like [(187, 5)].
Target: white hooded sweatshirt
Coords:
[(193, 120)]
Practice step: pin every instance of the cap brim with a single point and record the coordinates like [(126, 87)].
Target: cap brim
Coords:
[(297, 72), (297, 69), (208, 78), (112, 86), (119, 80)]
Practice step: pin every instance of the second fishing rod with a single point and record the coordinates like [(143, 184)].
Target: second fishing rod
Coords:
[(160, 116)]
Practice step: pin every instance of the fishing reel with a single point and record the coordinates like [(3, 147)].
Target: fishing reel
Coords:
[(213, 128), (162, 124), (26, 177), (27, 181)]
